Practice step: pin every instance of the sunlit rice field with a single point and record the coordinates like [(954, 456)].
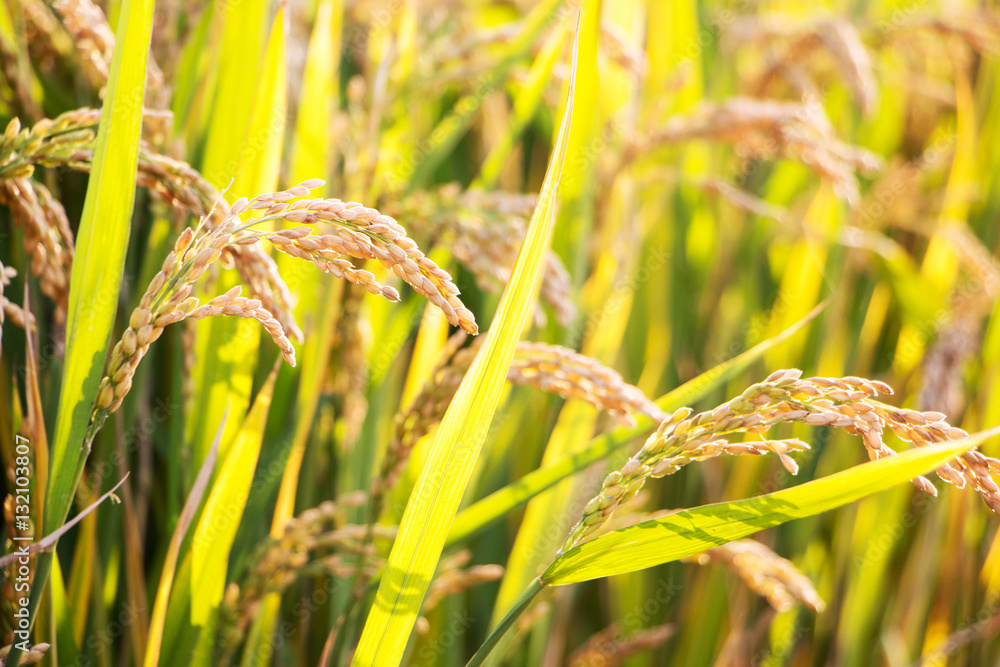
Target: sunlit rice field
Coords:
[(568, 332)]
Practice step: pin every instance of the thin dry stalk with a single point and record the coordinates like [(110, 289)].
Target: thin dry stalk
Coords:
[(621, 50), (847, 403), (742, 199), (766, 573), (737, 197)]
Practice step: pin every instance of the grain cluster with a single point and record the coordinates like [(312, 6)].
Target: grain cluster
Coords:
[(847, 403)]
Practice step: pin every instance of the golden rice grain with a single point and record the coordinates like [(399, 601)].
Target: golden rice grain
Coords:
[(845, 403), (765, 573)]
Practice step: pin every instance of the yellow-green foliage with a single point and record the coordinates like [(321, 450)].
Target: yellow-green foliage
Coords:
[(650, 212)]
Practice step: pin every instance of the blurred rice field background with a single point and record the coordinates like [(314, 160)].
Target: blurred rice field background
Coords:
[(744, 187)]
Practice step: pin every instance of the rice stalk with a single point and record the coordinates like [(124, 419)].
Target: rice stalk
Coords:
[(847, 403)]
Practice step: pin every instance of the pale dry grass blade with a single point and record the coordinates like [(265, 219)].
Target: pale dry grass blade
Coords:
[(50, 540)]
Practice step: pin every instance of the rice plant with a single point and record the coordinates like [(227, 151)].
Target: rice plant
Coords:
[(557, 333)]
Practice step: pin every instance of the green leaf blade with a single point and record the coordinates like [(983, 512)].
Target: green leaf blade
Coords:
[(431, 508), (216, 529), (98, 267), (693, 531), (105, 225)]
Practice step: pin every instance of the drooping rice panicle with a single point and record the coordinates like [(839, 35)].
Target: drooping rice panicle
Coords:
[(484, 232), (768, 129), (847, 403), (34, 654), (47, 236), (551, 368), (796, 48), (363, 233), (8, 308), (766, 573)]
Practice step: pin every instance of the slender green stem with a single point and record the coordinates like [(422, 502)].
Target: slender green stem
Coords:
[(533, 589)]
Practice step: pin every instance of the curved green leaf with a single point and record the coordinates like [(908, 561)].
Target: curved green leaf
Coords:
[(216, 530), (696, 530), (456, 447), (96, 278), (243, 146)]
